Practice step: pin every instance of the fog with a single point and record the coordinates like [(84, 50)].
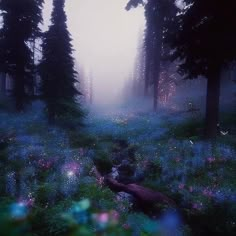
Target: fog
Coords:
[(105, 39)]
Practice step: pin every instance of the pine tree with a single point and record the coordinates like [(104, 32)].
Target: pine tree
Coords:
[(204, 43), (158, 13), (139, 69), (20, 23), (57, 68)]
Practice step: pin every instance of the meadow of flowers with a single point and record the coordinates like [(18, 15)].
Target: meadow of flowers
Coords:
[(48, 186)]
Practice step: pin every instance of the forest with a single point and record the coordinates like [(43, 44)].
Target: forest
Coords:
[(117, 117)]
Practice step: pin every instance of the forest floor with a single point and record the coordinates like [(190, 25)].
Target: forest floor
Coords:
[(52, 171)]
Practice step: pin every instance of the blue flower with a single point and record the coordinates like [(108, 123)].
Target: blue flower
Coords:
[(18, 211)]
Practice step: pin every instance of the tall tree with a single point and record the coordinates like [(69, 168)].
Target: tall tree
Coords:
[(139, 69), (3, 84), (20, 23), (57, 67), (157, 13), (91, 89), (204, 43)]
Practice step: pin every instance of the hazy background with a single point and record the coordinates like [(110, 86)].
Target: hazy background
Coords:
[(105, 38)]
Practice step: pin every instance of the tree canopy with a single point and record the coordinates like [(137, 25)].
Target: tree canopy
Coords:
[(204, 37)]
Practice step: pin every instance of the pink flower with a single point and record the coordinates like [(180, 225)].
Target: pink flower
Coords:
[(211, 159), (30, 202), (27, 202), (196, 206), (178, 159), (72, 167), (42, 163), (190, 189), (181, 186), (114, 217), (103, 218), (126, 226), (207, 193), (81, 151)]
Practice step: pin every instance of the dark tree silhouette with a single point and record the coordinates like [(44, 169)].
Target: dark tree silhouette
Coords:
[(158, 13), (204, 44), (20, 23), (57, 68)]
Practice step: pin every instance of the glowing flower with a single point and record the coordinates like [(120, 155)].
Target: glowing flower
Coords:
[(79, 212), (18, 211), (103, 218), (70, 173), (71, 169)]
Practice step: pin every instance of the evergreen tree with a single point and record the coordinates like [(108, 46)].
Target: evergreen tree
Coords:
[(139, 69), (57, 68), (204, 43), (158, 13), (20, 23)]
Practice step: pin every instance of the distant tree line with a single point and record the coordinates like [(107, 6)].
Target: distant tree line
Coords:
[(198, 35)]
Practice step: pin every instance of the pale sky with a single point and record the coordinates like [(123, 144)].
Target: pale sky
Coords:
[(105, 37)]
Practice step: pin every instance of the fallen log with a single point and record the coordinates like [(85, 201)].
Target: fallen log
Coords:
[(147, 200), (142, 194)]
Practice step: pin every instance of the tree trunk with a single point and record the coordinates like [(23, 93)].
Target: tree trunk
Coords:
[(18, 187), (91, 91), (213, 104), (51, 115), (3, 84), (135, 86), (157, 60), (19, 93), (19, 87), (156, 86), (147, 77)]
